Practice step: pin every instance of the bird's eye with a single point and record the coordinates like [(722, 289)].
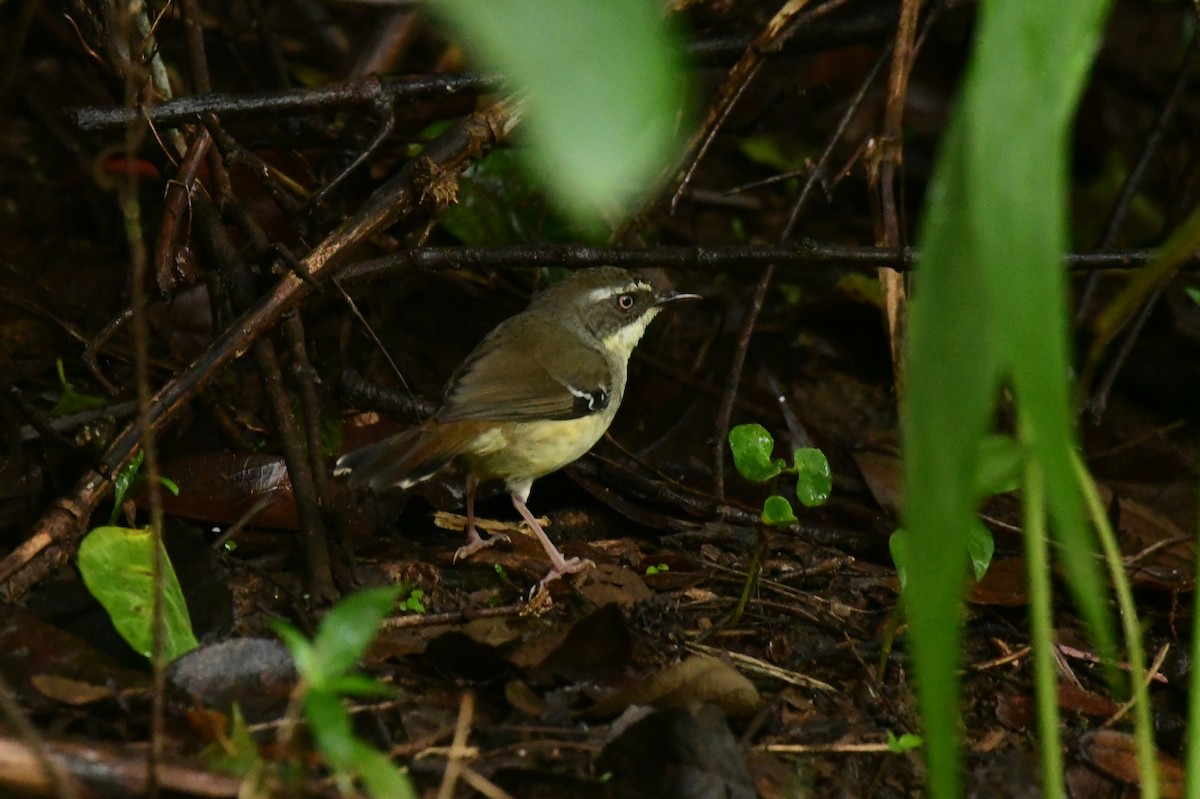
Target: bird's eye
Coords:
[(625, 302)]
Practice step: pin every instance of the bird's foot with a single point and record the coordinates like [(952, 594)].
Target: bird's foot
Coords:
[(563, 566), (476, 542)]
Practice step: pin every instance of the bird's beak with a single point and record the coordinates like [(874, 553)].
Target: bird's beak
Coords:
[(670, 296)]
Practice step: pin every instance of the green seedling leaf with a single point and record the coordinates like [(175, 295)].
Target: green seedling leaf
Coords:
[(236, 755), (1001, 460), (123, 482), (117, 564), (1193, 293), (70, 400), (659, 569), (980, 546), (814, 480), (751, 445), (778, 152), (126, 479), (345, 632), (777, 511), (600, 127), (413, 601), (898, 547), (905, 743)]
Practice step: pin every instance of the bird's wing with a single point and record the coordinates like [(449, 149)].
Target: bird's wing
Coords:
[(503, 381)]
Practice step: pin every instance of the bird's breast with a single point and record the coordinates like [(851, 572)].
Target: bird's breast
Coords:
[(518, 452)]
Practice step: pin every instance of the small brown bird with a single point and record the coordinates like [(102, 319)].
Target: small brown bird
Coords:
[(534, 396)]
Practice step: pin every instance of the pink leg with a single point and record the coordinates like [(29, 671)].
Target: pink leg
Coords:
[(475, 541), (558, 564)]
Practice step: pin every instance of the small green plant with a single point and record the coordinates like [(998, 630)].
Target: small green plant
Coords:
[(326, 666), (127, 478), (414, 602), (117, 564), (752, 447), (500, 571), (661, 568), (70, 400), (905, 743)]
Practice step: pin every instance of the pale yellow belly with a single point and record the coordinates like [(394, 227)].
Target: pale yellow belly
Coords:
[(525, 451)]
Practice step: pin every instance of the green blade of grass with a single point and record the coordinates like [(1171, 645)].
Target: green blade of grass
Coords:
[(990, 306)]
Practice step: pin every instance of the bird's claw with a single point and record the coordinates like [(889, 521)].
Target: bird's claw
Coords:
[(476, 542), (559, 570)]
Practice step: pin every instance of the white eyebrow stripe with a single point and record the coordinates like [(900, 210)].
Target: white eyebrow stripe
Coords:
[(596, 295)]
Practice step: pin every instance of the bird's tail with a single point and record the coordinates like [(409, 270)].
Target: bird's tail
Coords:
[(401, 460)]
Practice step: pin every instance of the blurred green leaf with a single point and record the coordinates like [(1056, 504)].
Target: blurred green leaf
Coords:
[(989, 308), (751, 445), (346, 631), (302, 650), (777, 511), (605, 87), (383, 778), (980, 547), (117, 564), (331, 728), (1000, 465), (814, 480)]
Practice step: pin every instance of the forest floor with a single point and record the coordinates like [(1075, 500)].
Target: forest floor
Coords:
[(706, 654)]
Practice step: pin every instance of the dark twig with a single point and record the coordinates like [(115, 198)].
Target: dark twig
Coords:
[(891, 154), (176, 213), (365, 92), (305, 378), (131, 211), (802, 254)]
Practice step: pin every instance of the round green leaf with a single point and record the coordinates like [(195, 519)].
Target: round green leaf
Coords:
[(777, 511), (814, 480), (751, 445)]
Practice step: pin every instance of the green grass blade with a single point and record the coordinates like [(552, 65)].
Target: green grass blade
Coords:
[(1041, 628), (990, 306)]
